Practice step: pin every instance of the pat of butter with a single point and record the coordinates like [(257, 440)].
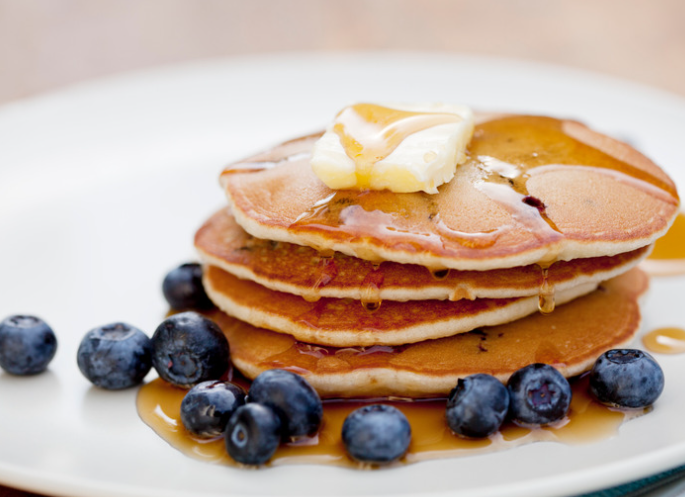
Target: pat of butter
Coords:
[(402, 148)]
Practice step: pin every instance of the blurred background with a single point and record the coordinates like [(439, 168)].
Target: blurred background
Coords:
[(47, 44)]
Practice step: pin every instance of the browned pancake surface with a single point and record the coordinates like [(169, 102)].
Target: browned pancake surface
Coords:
[(571, 338), (345, 322), (533, 189), (303, 271)]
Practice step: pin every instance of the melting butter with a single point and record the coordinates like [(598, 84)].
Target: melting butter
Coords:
[(406, 148)]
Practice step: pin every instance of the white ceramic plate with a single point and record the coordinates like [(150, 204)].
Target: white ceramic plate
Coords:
[(102, 186)]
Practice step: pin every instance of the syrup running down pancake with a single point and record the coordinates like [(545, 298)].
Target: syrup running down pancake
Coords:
[(532, 190), (303, 271), (345, 323), (541, 206), (570, 339)]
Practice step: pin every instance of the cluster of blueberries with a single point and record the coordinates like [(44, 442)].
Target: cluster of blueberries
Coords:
[(190, 351), (539, 395)]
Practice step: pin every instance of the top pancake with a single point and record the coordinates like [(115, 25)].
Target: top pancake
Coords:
[(533, 190)]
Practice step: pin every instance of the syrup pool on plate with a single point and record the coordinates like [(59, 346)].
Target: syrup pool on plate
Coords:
[(667, 258), (668, 340), (588, 421)]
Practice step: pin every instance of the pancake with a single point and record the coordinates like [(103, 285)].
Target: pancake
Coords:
[(345, 323), (570, 339), (533, 190), (299, 270)]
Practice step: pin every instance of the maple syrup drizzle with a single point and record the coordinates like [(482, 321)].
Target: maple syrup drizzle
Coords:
[(546, 293), (369, 133), (506, 184), (672, 245), (476, 240), (309, 297), (669, 340), (439, 274), (461, 292), (312, 316), (158, 405), (328, 270), (508, 152), (668, 254), (370, 289), (290, 151), (531, 146), (528, 142), (324, 357)]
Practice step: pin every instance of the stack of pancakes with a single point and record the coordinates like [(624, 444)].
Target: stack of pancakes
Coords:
[(527, 255)]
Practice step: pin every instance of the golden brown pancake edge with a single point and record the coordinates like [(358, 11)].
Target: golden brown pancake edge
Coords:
[(303, 271), (345, 322), (570, 339)]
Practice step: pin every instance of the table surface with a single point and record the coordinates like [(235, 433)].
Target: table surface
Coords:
[(49, 44)]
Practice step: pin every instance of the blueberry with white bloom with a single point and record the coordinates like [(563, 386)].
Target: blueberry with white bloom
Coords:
[(115, 356), (538, 395), (626, 378), (477, 406), (27, 345), (376, 434)]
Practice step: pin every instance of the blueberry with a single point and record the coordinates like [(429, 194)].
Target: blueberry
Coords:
[(626, 378), (253, 434), (477, 406), (115, 356), (189, 349), (292, 398), (207, 407), (182, 288), (538, 395), (27, 345), (377, 434)]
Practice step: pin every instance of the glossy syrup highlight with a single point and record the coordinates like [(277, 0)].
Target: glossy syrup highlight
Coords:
[(507, 151), (672, 245), (505, 154), (670, 340), (370, 289), (546, 301)]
